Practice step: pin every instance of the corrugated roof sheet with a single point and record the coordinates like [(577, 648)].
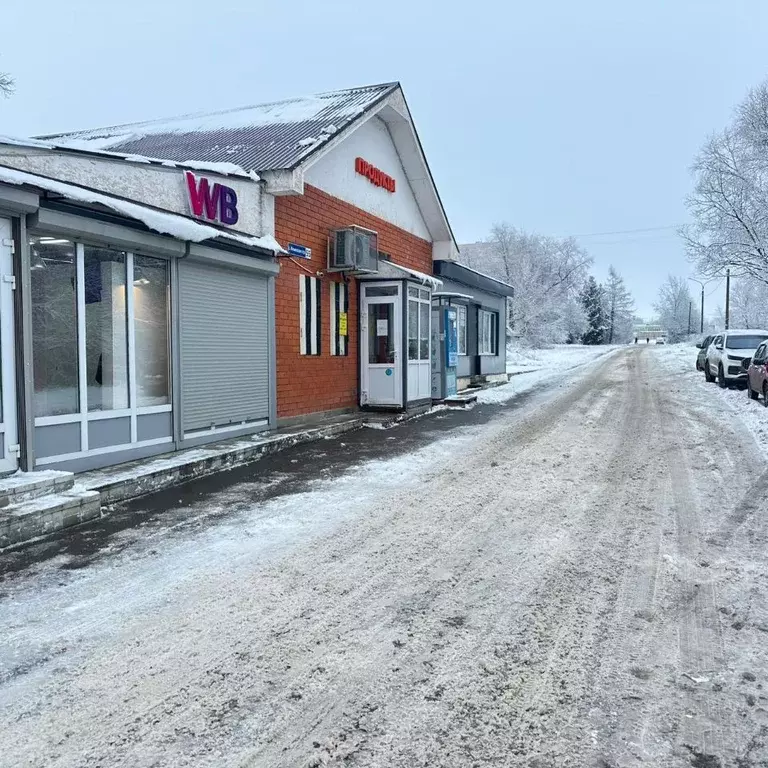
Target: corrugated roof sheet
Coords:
[(263, 137)]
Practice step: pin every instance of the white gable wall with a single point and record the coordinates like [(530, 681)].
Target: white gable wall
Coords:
[(335, 174)]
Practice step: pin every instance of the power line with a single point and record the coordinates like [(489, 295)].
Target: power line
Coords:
[(629, 231)]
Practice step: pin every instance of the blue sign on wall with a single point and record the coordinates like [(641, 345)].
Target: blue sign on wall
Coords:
[(300, 251), (451, 338)]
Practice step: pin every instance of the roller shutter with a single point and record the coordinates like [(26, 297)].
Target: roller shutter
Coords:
[(224, 346)]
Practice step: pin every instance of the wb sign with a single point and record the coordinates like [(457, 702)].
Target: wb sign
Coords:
[(213, 202)]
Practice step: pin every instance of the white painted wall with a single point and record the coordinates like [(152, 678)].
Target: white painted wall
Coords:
[(151, 184), (334, 173)]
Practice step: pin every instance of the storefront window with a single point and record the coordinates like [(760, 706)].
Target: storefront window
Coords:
[(106, 329), (424, 331), (150, 309), (413, 329), (54, 326), (487, 331), (461, 323)]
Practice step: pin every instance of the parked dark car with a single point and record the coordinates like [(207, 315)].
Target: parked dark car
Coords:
[(757, 374), (702, 356)]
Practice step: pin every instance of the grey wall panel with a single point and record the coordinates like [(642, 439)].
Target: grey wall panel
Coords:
[(107, 432), (489, 364), (154, 425), (224, 335), (109, 459), (57, 439)]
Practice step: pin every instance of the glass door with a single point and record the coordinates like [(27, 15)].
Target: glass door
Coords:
[(380, 354), (9, 449)]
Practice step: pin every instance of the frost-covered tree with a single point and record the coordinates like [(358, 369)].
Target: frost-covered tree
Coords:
[(592, 302), (729, 202), (749, 303), (545, 272), (619, 309), (7, 84), (574, 320), (676, 308)]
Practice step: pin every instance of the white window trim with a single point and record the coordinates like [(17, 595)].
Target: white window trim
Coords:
[(83, 416), (461, 309), (480, 341), (418, 300), (99, 451)]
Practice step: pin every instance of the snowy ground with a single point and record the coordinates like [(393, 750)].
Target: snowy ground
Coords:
[(523, 359), (727, 404), (582, 581)]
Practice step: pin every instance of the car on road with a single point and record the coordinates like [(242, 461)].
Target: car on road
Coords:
[(757, 375), (729, 353), (702, 346), (660, 341)]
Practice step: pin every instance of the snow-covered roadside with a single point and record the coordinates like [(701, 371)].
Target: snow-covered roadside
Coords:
[(547, 365), (525, 359), (680, 359)]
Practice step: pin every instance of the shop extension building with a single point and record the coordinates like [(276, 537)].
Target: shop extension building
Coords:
[(175, 282)]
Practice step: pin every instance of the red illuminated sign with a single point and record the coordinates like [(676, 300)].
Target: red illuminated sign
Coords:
[(374, 175)]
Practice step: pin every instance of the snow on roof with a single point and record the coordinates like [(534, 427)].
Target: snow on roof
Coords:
[(166, 223), (482, 274), (450, 295), (221, 168), (422, 277), (260, 137)]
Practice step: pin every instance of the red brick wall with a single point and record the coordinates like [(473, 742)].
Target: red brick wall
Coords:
[(312, 383)]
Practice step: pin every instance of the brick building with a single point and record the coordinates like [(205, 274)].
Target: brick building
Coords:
[(347, 193)]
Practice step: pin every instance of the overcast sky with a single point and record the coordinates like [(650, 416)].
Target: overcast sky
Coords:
[(560, 117)]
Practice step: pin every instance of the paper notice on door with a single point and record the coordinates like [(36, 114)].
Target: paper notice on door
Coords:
[(382, 327), (342, 323)]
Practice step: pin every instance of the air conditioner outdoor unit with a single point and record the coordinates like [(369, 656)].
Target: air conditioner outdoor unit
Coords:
[(353, 249)]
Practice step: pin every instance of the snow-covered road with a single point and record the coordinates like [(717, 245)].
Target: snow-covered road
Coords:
[(581, 581)]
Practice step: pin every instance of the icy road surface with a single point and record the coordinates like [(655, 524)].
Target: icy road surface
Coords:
[(580, 581)]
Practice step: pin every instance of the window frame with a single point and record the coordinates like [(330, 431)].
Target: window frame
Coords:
[(419, 297), (461, 311), (133, 411), (493, 332)]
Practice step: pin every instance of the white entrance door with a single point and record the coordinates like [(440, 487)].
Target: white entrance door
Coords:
[(8, 445), (380, 348)]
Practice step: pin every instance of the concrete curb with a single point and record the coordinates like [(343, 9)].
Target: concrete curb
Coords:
[(124, 486)]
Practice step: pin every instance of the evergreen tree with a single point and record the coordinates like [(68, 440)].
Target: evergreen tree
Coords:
[(619, 309), (592, 301)]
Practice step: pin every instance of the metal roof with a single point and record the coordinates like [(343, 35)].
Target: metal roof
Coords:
[(263, 137)]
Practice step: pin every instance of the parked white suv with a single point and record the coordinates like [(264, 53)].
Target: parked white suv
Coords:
[(726, 355)]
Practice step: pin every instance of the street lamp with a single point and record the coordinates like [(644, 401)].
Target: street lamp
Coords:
[(702, 284)]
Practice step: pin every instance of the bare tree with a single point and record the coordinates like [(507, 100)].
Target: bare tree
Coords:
[(749, 303), (546, 274), (619, 308), (729, 203), (675, 307), (7, 84)]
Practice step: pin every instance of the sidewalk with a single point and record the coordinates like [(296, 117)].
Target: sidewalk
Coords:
[(37, 504)]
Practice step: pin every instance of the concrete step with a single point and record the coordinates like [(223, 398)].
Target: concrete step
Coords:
[(27, 519), (461, 400), (24, 486)]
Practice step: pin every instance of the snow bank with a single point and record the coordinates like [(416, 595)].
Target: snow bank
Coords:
[(523, 359), (722, 404), (532, 367)]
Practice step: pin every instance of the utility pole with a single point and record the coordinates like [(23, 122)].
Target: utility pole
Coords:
[(702, 283), (690, 309), (727, 297)]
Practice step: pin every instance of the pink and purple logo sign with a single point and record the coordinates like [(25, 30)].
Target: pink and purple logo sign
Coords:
[(214, 202)]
